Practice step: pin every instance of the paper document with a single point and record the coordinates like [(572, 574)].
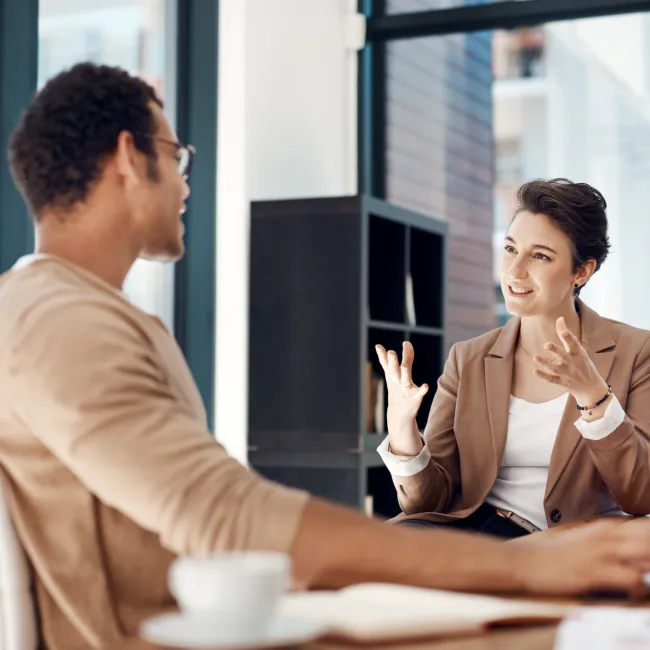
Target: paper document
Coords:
[(380, 612)]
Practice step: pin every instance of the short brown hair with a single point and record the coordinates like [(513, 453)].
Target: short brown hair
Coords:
[(578, 209)]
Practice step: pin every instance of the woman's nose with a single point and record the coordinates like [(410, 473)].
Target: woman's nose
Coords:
[(518, 269)]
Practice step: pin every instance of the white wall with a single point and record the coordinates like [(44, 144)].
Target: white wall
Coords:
[(286, 129), (301, 111)]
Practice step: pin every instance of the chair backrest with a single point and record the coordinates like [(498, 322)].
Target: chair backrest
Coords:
[(18, 623)]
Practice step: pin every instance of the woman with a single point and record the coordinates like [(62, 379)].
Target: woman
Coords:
[(525, 432)]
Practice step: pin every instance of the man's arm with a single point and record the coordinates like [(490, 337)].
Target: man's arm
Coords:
[(87, 382), (601, 555)]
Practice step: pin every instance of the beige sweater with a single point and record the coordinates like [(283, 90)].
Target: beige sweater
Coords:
[(111, 468)]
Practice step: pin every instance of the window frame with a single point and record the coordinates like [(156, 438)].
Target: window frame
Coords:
[(195, 112), (382, 29)]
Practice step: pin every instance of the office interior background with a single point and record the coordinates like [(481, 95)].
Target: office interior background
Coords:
[(356, 167)]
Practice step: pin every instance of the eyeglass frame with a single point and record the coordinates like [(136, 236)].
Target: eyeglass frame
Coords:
[(179, 146)]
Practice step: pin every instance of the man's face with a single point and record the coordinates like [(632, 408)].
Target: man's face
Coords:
[(160, 201)]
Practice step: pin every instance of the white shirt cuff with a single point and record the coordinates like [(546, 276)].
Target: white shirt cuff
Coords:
[(599, 429), (404, 465)]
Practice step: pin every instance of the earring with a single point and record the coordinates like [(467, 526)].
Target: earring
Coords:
[(576, 285)]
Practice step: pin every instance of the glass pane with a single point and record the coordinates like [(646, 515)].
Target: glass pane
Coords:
[(470, 117), (439, 159), (407, 6), (571, 99), (133, 34)]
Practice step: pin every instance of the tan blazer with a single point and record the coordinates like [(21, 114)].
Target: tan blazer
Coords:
[(467, 427)]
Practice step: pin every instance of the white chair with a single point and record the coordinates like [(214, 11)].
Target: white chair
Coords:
[(18, 626)]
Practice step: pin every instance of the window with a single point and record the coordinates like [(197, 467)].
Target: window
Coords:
[(573, 100), (138, 35), (466, 118), (439, 159)]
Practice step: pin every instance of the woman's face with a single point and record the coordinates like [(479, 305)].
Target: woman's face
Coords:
[(537, 275)]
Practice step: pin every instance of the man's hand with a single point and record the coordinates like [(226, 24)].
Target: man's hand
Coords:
[(595, 556)]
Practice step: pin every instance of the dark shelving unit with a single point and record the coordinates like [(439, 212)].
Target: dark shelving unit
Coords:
[(330, 278)]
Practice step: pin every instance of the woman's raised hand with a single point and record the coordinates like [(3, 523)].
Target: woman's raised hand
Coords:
[(404, 399)]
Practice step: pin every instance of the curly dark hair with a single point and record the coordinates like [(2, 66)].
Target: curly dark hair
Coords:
[(578, 209), (57, 150)]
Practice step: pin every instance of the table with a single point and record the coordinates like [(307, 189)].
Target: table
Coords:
[(515, 638)]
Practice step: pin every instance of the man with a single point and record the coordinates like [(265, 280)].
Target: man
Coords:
[(111, 470)]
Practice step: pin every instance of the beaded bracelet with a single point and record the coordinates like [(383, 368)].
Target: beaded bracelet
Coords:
[(598, 403)]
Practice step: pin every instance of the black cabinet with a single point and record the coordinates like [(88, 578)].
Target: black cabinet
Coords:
[(329, 279)]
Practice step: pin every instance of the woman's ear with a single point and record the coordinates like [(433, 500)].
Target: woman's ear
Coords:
[(584, 273)]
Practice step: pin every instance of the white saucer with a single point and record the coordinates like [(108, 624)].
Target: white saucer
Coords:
[(199, 633)]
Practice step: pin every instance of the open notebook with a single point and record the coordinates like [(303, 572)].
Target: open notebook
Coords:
[(371, 613)]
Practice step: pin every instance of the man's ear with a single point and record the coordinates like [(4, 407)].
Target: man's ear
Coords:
[(128, 159)]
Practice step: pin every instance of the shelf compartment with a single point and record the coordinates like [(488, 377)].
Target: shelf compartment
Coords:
[(386, 269), (426, 257)]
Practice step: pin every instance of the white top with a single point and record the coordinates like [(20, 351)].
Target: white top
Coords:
[(521, 482), (532, 429)]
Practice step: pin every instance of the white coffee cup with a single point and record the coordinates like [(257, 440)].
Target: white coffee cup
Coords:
[(239, 591)]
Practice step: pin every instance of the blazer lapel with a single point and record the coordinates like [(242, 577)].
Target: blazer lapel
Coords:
[(498, 382), (601, 348)]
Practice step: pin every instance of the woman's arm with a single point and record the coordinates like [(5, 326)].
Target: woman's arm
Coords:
[(427, 482), (619, 441), (622, 457)]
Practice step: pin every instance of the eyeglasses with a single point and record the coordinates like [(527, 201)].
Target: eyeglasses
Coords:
[(184, 156)]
